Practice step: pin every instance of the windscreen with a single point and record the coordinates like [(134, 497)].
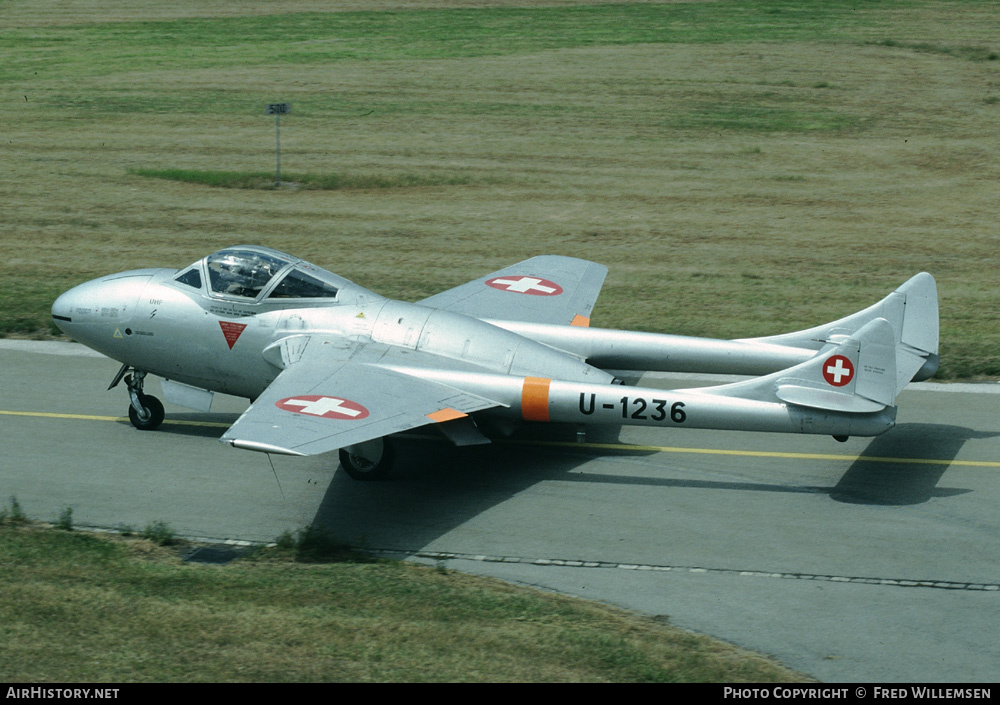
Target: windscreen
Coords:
[(299, 285)]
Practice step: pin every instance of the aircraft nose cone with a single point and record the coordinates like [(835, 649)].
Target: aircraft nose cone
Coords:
[(62, 309), (96, 312)]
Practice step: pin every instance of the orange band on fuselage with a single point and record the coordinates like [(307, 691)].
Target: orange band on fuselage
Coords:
[(535, 399)]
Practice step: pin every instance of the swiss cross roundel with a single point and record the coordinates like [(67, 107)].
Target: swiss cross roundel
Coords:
[(838, 371), (520, 284), (323, 406)]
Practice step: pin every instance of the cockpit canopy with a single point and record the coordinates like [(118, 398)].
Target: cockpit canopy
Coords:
[(252, 273), (242, 272)]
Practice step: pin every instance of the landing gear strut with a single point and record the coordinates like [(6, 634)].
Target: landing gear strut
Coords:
[(145, 411)]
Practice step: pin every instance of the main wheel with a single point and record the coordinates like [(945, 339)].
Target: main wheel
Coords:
[(155, 409), (371, 460)]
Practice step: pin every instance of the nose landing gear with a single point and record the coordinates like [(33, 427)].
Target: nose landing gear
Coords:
[(145, 411)]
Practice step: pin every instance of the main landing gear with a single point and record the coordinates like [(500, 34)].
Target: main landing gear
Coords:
[(145, 411), (371, 460)]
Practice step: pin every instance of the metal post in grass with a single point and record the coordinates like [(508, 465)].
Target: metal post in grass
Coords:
[(278, 109)]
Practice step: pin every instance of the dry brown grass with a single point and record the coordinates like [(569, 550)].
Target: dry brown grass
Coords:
[(734, 188), (82, 608)]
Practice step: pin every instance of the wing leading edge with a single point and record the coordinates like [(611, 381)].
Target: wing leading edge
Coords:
[(318, 405)]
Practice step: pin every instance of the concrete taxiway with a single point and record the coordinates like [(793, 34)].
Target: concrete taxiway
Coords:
[(873, 560)]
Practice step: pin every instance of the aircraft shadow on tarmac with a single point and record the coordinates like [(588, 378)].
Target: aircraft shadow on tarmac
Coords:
[(437, 487), (883, 476)]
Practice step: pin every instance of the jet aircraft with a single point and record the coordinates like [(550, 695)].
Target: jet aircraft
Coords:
[(330, 365)]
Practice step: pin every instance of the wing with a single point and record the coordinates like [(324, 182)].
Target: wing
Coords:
[(323, 401), (545, 289)]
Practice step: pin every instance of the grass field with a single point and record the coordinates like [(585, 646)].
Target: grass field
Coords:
[(79, 608), (744, 168)]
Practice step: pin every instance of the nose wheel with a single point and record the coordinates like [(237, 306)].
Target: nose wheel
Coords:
[(145, 411), (149, 415)]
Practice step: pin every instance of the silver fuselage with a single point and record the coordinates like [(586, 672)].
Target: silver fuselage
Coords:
[(143, 318), (146, 319)]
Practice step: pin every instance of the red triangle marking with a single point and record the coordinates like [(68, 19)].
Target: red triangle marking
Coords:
[(232, 331)]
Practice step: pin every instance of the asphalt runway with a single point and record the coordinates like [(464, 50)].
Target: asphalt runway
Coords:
[(875, 560)]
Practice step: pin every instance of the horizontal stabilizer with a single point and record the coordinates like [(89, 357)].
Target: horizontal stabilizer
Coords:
[(802, 394), (857, 376)]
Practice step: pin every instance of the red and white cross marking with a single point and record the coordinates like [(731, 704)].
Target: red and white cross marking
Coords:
[(536, 286), (323, 406), (838, 371)]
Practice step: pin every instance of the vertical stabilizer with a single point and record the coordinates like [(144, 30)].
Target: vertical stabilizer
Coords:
[(912, 313)]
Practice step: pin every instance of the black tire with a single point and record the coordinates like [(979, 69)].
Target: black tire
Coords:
[(155, 409), (366, 468)]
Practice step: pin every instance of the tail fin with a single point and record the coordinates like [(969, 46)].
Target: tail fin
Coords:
[(912, 312), (856, 376)]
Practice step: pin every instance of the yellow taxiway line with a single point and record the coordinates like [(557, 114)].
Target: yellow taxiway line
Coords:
[(592, 446), (89, 417), (759, 453)]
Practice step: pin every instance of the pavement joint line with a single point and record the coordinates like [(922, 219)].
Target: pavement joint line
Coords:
[(620, 447), (613, 565), (610, 565), (742, 573)]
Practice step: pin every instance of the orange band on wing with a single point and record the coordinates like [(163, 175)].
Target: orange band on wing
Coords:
[(446, 414), (535, 399), (581, 321)]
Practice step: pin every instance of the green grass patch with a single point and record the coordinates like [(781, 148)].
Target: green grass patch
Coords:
[(761, 119), (332, 37), (77, 607), (321, 182), (25, 302), (160, 533), (13, 513), (968, 53)]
